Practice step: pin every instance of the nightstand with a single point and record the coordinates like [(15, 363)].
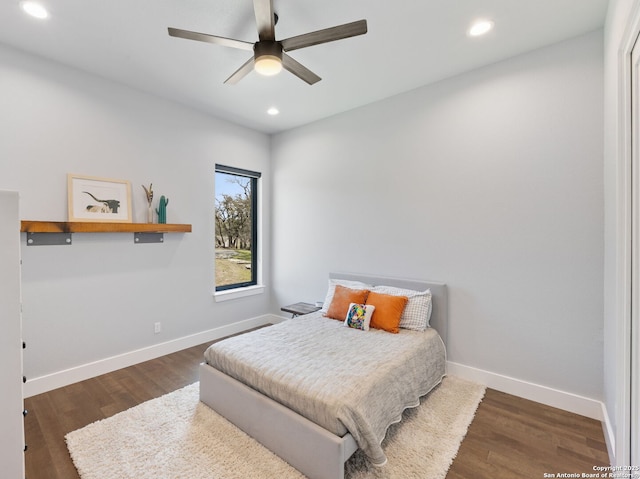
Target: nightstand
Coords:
[(298, 309)]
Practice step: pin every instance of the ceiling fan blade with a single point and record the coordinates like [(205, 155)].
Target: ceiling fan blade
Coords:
[(265, 19), (241, 72), (299, 70), (204, 37), (324, 36)]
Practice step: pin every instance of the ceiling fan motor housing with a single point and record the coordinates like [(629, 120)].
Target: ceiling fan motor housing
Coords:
[(267, 48)]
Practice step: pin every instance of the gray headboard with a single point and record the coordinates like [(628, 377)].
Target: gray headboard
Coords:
[(439, 314)]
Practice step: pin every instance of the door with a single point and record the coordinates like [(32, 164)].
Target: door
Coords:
[(11, 405)]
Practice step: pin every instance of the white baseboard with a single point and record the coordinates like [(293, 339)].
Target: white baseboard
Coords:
[(86, 371), (534, 392)]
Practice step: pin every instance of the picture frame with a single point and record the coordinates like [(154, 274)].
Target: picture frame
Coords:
[(105, 200)]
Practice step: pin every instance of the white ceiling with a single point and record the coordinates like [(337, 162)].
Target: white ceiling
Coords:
[(410, 43)]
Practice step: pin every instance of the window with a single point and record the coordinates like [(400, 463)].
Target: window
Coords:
[(236, 227)]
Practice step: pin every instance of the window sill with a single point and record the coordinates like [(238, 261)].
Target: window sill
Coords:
[(238, 293)]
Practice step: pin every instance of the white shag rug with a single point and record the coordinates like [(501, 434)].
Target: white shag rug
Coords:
[(178, 437)]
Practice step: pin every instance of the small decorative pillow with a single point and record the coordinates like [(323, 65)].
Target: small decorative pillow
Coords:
[(342, 298), (359, 316), (388, 311)]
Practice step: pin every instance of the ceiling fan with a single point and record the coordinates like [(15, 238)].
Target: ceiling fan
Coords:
[(269, 55)]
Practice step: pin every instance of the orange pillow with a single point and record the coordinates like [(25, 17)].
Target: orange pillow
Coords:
[(342, 298), (388, 311)]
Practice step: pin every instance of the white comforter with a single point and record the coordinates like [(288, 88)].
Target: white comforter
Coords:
[(340, 378)]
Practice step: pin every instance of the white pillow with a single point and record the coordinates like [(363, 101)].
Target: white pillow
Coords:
[(342, 282), (417, 312), (359, 316)]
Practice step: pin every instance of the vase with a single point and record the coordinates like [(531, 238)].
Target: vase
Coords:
[(150, 215)]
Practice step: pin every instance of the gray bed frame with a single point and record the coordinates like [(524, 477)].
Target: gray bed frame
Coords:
[(314, 451)]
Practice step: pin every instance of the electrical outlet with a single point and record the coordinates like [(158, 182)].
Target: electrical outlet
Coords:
[(157, 328)]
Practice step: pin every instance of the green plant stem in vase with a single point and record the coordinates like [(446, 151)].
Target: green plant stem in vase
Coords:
[(149, 193)]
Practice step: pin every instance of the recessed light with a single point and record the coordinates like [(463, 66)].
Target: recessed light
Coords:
[(273, 111), (480, 27), (34, 9)]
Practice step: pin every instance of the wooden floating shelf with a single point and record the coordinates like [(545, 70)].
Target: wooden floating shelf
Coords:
[(99, 227)]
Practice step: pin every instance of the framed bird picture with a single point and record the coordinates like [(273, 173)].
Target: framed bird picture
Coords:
[(98, 199)]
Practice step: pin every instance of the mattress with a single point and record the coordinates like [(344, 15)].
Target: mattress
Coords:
[(343, 379)]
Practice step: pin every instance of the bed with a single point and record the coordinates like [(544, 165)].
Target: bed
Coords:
[(314, 433)]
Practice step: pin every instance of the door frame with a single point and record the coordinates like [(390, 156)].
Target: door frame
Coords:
[(634, 326), (627, 335)]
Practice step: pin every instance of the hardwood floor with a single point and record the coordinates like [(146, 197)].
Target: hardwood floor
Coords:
[(54, 414), (509, 438)]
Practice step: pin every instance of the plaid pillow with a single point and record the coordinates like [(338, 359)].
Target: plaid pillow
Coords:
[(417, 312)]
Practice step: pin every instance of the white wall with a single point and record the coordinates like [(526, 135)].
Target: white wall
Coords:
[(491, 182), (616, 260), (100, 297)]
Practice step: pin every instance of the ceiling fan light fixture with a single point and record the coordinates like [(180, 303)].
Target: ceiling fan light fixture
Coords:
[(268, 65), (268, 58)]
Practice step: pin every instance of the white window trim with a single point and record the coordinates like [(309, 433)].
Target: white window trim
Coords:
[(229, 294)]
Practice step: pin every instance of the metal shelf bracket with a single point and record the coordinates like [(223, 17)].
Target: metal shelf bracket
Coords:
[(140, 238), (47, 239)]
